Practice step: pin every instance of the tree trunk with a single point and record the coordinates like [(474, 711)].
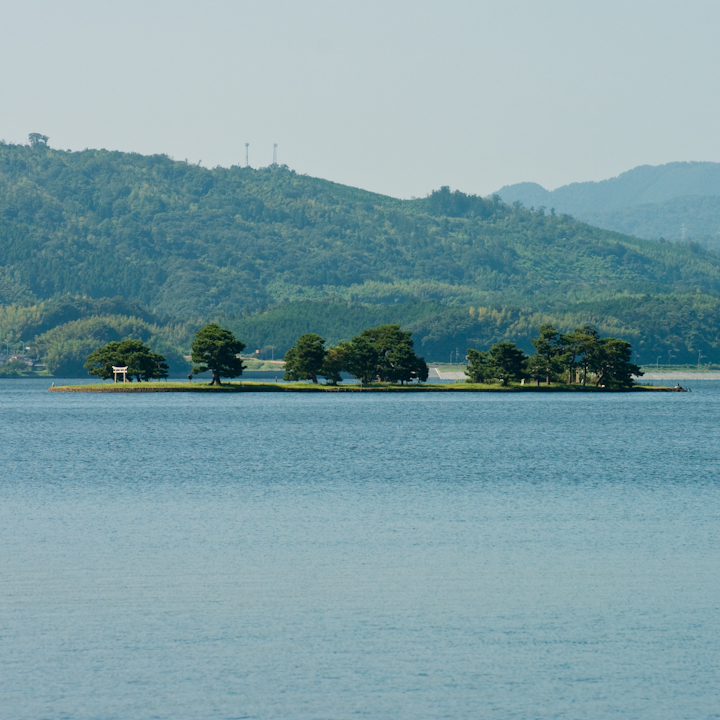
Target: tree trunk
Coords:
[(215, 378)]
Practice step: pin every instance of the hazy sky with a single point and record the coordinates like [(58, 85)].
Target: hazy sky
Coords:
[(396, 97)]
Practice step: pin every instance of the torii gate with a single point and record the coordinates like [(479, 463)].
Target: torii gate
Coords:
[(120, 371)]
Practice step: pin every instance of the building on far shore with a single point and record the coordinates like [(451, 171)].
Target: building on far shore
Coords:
[(33, 364)]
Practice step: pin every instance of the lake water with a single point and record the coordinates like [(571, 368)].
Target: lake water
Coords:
[(341, 556)]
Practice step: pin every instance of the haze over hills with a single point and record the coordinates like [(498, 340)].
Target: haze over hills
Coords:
[(96, 245), (648, 201)]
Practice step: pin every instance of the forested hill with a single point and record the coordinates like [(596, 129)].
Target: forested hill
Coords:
[(677, 200), (191, 244), (190, 241)]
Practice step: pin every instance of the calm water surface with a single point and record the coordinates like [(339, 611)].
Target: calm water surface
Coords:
[(304, 556)]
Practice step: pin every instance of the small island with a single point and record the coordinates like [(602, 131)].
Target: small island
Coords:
[(381, 359)]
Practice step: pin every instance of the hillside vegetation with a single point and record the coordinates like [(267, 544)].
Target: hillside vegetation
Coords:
[(166, 245)]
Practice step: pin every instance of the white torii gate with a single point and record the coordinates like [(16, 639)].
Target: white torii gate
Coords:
[(120, 371)]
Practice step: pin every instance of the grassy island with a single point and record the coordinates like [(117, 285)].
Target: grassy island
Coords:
[(142, 387), (381, 359)]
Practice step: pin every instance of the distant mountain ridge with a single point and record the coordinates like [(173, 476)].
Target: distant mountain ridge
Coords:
[(647, 201)]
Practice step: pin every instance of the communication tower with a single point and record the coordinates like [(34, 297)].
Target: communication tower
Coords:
[(275, 154), (247, 154)]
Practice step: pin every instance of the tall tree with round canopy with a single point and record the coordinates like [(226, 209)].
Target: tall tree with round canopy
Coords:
[(215, 348), (305, 359), (508, 361)]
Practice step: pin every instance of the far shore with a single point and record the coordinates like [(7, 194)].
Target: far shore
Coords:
[(681, 375)]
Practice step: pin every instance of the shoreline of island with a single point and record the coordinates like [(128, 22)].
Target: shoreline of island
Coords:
[(309, 387)]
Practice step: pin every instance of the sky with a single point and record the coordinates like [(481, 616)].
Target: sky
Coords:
[(395, 97)]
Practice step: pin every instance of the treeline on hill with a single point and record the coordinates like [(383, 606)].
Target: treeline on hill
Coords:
[(676, 327), (189, 241), (669, 330), (62, 332), (98, 246)]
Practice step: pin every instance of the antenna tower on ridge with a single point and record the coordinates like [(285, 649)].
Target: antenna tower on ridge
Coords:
[(247, 154), (275, 154)]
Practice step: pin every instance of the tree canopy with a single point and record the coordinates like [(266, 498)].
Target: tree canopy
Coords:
[(36, 139), (336, 362), (479, 369), (612, 366), (215, 348), (579, 356), (550, 354), (14, 368), (141, 362), (508, 361), (304, 361), (385, 352)]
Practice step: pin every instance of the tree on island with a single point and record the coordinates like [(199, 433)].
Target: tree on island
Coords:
[(398, 361), (604, 361), (335, 362), (535, 369), (479, 369), (385, 352), (582, 347), (140, 360), (362, 359), (304, 361), (215, 348), (550, 355), (504, 362), (612, 366), (507, 361)]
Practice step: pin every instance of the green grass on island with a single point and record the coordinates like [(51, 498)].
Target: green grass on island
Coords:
[(250, 386)]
